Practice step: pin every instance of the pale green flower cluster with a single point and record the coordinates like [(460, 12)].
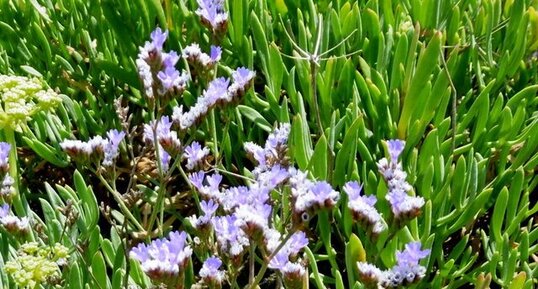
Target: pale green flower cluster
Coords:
[(21, 97), (35, 265)]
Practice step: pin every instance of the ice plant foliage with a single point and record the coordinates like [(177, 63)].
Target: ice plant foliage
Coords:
[(403, 205)]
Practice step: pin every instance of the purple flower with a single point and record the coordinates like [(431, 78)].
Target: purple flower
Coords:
[(412, 254), (12, 223), (158, 37), (324, 194), (242, 80), (6, 188), (291, 271), (170, 59), (210, 270), (209, 191), (253, 218), (195, 155), (212, 14), (362, 208), (171, 80), (112, 145), (165, 160), (197, 179), (396, 147), (163, 258), (4, 210), (231, 239), (4, 157), (272, 178), (166, 138), (216, 93), (215, 53), (209, 207)]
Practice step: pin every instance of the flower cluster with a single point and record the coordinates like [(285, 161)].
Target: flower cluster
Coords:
[(167, 141), (200, 61), (406, 271), (96, 149), (210, 272), (164, 260), (6, 181), (403, 206), (292, 271), (274, 152), (23, 97), (35, 265), (156, 68), (363, 210), (13, 223), (218, 92), (195, 155), (310, 196), (213, 15)]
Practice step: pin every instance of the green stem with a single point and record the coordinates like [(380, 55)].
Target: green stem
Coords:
[(261, 273), (121, 204), (213, 128), (14, 172)]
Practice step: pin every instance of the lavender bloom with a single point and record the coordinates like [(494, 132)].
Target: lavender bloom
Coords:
[(406, 271), (412, 254), (4, 157), (242, 80), (197, 179), (231, 239), (12, 223), (403, 206), (292, 272), (272, 178), (200, 60), (274, 152), (165, 159), (362, 208), (253, 218), (195, 155), (95, 149), (158, 38), (311, 196), (216, 93), (212, 14), (208, 209), (111, 147), (209, 191), (6, 188), (215, 53), (172, 81), (210, 272), (371, 275), (396, 147), (165, 136), (163, 258)]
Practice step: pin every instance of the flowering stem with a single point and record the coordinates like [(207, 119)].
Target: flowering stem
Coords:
[(119, 199), (213, 129), (251, 264), (14, 171), (261, 273)]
